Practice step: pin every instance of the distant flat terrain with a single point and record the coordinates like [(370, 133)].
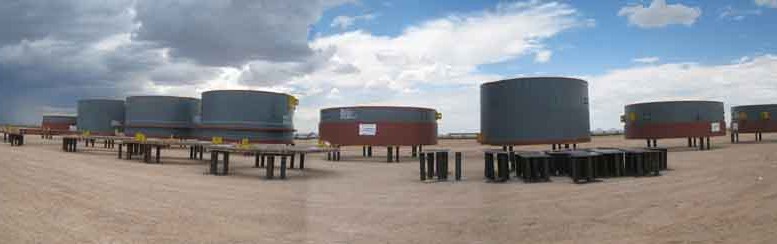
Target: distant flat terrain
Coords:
[(727, 195)]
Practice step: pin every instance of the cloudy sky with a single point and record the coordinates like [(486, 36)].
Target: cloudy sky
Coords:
[(383, 52)]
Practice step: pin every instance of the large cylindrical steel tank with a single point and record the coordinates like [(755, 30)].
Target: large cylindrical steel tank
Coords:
[(58, 122), (535, 110), (378, 126), (258, 116), (754, 118), (161, 116), (674, 119), (100, 116)]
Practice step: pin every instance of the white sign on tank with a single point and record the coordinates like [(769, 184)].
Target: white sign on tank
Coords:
[(368, 129)]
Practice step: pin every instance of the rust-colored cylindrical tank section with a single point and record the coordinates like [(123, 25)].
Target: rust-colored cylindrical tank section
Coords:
[(674, 119), (58, 123), (379, 126), (754, 118)]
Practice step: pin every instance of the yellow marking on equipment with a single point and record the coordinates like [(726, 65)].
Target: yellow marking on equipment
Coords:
[(292, 102), (140, 137), (217, 140), (245, 143)]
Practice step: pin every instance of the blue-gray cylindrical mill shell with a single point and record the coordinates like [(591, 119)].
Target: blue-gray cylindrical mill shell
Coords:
[(161, 116), (259, 116), (100, 116), (539, 110)]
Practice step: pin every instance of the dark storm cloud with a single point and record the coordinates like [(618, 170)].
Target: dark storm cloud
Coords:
[(58, 73), (230, 32), (54, 52), (81, 20), (47, 59), (270, 73), (52, 64)]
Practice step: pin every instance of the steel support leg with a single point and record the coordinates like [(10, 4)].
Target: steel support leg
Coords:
[(422, 166), (458, 166)]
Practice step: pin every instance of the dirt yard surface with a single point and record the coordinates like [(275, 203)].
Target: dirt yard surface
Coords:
[(727, 195)]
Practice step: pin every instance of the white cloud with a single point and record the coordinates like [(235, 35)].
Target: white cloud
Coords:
[(660, 14), (743, 59), (334, 93), (732, 13), (436, 59), (767, 3), (343, 22), (543, 56), (646, 60), (447, 49), (752, 81)]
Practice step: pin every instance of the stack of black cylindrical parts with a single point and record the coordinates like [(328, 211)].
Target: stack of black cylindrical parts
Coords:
[(581, 165), (433, 163)]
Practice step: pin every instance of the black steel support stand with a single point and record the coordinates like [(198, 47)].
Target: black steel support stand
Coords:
[(270, 170), (291, 161), (430, 165), (701, 143), (458, 166), (488, 171), (442, 166), (283, 167), (422, 166), (214, 158), (301, 161), (503, 168), (158, 153), (389, 156)]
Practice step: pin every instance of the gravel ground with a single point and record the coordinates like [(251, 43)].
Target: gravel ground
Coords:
[(727, 195)]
